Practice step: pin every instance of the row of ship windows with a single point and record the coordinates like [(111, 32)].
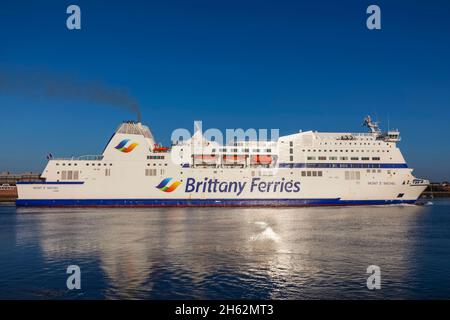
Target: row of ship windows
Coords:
[(354, 143), (242, 150), (105, 164), (75, 174), (341, 150), (87, 164), (311, 158), (238, 150), (291, 151), (247, 140), (349, 175), (154, 172), (311, 173), (291, 143), (356, 175), (343, 158)]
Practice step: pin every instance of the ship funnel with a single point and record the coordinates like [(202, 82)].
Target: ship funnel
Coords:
[(132, 127)]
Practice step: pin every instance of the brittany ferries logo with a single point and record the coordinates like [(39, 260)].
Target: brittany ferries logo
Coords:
[(238, 187), (163, 185), (215, 186), (122, 146)]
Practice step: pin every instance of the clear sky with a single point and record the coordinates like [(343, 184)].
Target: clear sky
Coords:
[(232, 64)]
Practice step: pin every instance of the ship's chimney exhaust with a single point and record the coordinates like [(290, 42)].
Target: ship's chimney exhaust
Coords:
[(42, 83)]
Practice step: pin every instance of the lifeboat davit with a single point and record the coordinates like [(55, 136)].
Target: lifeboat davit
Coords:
[(261, 159), (205, 158)]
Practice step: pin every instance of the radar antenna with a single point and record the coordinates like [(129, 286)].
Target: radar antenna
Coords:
[(373, 126)]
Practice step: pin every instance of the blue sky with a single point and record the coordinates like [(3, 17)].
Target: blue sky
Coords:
[(232, 64)]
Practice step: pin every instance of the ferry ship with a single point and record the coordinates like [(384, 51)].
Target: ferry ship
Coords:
[(303, 169)]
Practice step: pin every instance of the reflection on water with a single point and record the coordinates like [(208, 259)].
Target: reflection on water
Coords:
[(181, 253)]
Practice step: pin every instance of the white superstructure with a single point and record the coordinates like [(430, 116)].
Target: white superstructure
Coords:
[(306, 168)]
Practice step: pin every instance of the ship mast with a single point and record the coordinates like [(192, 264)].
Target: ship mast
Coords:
[(372, 125), (389, 136)]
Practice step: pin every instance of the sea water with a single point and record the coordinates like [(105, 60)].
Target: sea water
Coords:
[(226, 253)]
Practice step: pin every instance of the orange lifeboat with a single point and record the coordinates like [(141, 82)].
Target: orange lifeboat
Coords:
[(160, 148), (261, 159), (233, 159)]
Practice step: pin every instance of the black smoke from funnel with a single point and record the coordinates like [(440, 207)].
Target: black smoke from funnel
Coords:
[(51, 85)]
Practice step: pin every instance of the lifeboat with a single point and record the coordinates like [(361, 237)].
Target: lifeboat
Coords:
[(233, 159), (205, 158), (160, 148), (261, 159)]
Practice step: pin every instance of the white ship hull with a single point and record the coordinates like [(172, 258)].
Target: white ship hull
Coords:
[(141, 178)]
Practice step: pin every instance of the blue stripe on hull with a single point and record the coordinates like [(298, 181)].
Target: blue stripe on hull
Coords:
[(49, 182), (201, 203)]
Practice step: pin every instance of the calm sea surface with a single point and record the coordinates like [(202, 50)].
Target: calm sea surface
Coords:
[(295, 253)]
